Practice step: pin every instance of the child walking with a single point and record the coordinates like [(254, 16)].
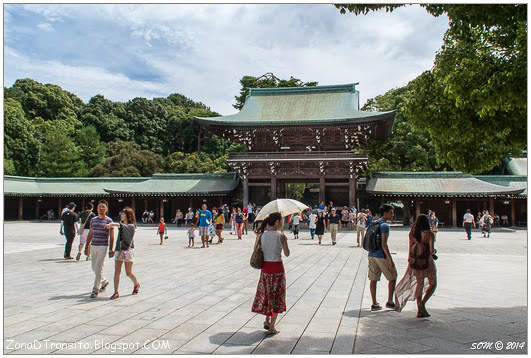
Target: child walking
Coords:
[(191, 234), (162, 230)]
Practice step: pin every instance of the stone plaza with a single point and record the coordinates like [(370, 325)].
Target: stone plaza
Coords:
[(198, 301)]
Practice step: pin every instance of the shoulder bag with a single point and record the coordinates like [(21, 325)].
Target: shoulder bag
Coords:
[(257, 258)]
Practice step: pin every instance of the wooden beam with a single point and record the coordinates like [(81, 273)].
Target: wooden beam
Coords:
[(37, 209), (20, 208), (417, 209), (352, 192), (513, 212), (322, 189), (245, 183), (491, 206), (60, 208), (273, 188), (454, 212)]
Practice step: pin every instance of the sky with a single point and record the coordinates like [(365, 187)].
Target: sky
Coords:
[(123, 51)]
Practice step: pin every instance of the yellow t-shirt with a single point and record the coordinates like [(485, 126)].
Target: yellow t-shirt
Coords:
[(220, 219)]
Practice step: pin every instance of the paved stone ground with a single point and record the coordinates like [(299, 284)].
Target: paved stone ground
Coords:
[(199, 300)]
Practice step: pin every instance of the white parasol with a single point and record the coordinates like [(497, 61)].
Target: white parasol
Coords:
[(283, 206)]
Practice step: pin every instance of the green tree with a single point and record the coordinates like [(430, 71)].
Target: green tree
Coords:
[(92, 151), (21, 146), (107, 117), (408, 148), (474, 100), (268, 80), (60, 155), (128, 159)]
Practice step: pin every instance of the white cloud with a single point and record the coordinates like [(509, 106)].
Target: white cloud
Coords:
[(201, 51), (46, 26)]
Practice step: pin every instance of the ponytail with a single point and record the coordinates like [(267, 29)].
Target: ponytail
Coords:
[(269, 221)]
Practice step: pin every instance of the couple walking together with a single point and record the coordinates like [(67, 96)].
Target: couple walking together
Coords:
[(101, 237), (421, 265)]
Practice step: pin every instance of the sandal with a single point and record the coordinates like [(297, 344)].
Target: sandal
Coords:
[(376, 307), (266, 325), (135, 289), (115, 296)]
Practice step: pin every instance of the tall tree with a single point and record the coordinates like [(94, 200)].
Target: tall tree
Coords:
[(92, 151), (408, 148), (21, 146), (268, 80), (60, 156), (474, 100)]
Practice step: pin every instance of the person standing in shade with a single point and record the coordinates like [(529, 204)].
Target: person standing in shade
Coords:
[(98, 240), (334, 224), (380, 260), (434, 223), (321, 206), (205, 219), (312, 223), (233, 221), (124, 249), (468, 222), (189, 217), (345, 217), (320, 224), (69, 220), (361, 226), (84, 218), (270, 297)]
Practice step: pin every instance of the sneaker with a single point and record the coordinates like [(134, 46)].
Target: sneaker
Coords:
[(94, 294), (390, 305), (69, 258), (104, 284), (78, 256), (376, 307), (333, 243)]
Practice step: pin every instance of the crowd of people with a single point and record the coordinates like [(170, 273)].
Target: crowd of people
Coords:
[(97, 241)]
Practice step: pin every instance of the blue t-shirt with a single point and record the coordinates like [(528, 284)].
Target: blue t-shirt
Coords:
[(321, 207), (369, 219), (384, 229), (204, 217)]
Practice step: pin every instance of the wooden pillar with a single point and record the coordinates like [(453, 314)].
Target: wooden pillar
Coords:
[(37, 209), (273, 188), (245, 182), (352, 192), (161, 212), (491, 206), (513, 212), (82, 204), (145, 204), (417, 209), (322, 189), (407, 214), (60, 208), (133, 204), (454, 212), (20, 208)]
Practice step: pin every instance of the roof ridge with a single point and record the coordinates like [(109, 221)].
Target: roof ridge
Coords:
[(349, 87)]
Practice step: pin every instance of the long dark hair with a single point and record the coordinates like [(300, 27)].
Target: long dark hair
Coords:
[(421, 224), (130, 214), (270, 220)]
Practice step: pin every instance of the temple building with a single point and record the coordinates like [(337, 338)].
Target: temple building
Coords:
[(309, 135)]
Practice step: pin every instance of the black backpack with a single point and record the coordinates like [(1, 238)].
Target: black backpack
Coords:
[(372, 241)]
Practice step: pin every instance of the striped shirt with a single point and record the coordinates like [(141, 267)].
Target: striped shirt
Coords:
[(100, 235)]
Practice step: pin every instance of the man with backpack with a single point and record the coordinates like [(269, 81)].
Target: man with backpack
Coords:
[(380, 260)]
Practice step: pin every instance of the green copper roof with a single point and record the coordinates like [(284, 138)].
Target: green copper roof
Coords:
[(158, 184), (299, 105), (444, 184), (516, 166), (510, 181)]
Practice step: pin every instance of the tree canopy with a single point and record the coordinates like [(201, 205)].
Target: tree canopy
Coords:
[(473, 101)]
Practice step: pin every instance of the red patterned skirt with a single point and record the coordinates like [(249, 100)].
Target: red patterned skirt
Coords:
[(270, 296)]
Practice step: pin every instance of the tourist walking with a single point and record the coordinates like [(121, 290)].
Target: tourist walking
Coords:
[(421, 267), (434, 223), (178, 217), (312, 223), (486, 224), (98, 240), (162, 230), (320, 225), (380, 260), (295, 222), (361, 222), (205, 219), (321, 206), (124, 249), (233, 221), (345, 216), (151, 217), (245, 219), (189, 217), (238, 219), (69, 220), (84, 218), (368, 214), (333, 224), (468, 222), (270, 298), (219, 219), (145, 216), (352, 219)]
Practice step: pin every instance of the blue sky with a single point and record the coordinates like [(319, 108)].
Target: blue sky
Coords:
[(201, 51)]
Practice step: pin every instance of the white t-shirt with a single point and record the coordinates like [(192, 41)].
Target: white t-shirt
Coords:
[(249, 209), (296, 220), (468, 218), (312, 218)]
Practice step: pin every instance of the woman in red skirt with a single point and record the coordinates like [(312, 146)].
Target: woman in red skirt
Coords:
[(270, 299)]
